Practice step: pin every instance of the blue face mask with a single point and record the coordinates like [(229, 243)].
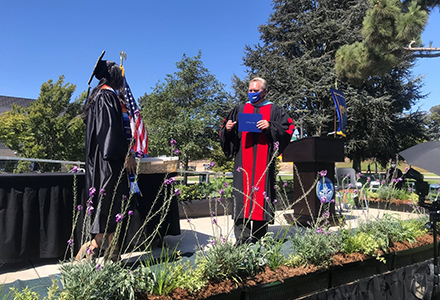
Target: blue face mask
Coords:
[(254, 97)]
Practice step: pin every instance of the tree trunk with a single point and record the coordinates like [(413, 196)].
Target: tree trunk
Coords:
[(185, 168), (357, 165)]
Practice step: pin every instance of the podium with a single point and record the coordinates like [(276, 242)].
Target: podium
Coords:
[(310, 156)]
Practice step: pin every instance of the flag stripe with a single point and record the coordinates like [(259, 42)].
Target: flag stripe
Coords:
[(137, 125)]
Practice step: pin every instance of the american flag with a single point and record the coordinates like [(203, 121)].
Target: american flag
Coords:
[(137, 126)]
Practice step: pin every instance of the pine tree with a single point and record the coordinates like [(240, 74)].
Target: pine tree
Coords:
[(297, 58)]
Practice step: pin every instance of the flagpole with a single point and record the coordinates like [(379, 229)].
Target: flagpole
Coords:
[(123, 56), (335, 112)]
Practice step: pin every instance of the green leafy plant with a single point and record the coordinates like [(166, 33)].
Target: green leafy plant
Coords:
[(90, 280), (188, 276), (361, 242), (270, 249), (315, 246), (225, 260), (194, 191), (162, 269)]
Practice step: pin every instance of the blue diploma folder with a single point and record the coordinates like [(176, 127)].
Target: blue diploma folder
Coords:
[(248, 122)]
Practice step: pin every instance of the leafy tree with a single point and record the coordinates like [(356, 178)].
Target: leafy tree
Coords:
[(433, 123), (49, 128), (187, 108), (297, 57), (390, 29)]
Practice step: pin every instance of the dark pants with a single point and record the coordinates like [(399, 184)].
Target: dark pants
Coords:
[(244, 233)]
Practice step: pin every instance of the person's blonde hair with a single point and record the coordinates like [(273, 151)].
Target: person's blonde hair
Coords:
[(259, 79)]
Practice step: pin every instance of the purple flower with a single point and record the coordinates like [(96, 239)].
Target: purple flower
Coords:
[(223, 240), (176, 151), (275, 201), (323, 173), (332, 201), (119, 218), (124, 197), (90, 210), (239, 169), (214, 221), (173, 142), (368, 179), (359, 175), (177, 192), (383, 182), (212, 242), (264, 194), (275, 187), (393, 180), (79, 207), (70, 242), (409, 189), (188, 220), (102, 192), (170, 181), (98, 267), (74, 169), (323, 199), (276, 145), (221, 192), (89, 251), (92, 191), (225, 184), (255, 188), (212, 213), (284, 184), (130, 212), (212, 164), (319, 230)]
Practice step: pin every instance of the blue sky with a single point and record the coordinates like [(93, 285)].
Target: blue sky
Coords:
[(41, 40)]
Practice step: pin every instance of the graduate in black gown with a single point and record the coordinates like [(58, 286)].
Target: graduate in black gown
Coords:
[(254, 193), (107, 145)]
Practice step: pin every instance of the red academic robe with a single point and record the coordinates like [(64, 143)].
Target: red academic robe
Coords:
[(254, 176)]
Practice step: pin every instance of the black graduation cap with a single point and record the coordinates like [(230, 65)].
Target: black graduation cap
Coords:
[(98, 67), (100, 70)]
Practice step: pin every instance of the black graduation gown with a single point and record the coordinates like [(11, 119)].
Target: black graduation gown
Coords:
[(106, 148), (254, 192)]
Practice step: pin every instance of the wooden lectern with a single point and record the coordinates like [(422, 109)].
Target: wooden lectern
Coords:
[(310, 156)]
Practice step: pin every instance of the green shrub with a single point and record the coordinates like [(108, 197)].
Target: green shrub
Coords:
[(361, 242), (224, 260), (270, 249), (315, 246), (90, 280)]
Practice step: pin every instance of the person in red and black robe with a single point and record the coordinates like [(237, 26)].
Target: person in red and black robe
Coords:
[(254, 195)]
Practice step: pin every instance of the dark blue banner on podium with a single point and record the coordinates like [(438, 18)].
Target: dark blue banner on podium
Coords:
[(341, 110)]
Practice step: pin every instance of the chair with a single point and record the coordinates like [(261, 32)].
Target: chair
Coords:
[(346, 179)]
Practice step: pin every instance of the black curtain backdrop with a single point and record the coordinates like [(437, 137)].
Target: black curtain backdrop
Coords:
[(36, 213)]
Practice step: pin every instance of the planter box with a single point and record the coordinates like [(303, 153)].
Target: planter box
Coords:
[(291, 288), (340, 275), (403, 207), (411, 256), (200, 208), (232, 295)]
